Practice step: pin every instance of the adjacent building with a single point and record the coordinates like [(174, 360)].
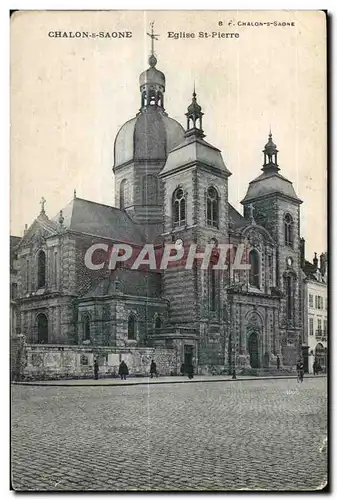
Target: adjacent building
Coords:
[(315, 288)]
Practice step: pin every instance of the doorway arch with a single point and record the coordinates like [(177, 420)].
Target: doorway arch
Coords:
[(42, 328), (253, 350)]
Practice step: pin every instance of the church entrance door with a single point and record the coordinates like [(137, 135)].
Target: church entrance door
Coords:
[(253, 348), (188, 355), (42, 329)]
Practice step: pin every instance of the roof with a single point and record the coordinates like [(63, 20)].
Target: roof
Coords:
[(236, 218), (270, 182), (194, 149), (148, 136), (131, 282), (89, 217)]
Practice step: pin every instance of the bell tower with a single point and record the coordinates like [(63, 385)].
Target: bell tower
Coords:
[(277, 208)]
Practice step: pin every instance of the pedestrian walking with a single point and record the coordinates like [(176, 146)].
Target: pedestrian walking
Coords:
[(123, 370), (190, 371), (278, 362), (96, 369), (153, 369), (182, 369), (315, 367), (300, 371)]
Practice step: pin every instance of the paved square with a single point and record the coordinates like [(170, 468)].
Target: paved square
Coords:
[(263, 434)]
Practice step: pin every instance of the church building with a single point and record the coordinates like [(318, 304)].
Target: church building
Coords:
[(171, 187)]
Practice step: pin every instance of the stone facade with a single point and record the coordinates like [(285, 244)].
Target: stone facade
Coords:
[(216, 319)]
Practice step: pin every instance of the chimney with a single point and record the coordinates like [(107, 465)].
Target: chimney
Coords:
[(315, 261), (322, 264)]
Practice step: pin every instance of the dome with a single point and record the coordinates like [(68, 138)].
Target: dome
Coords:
[(152, 76), (270, 144), (148, 136), (268, 183)]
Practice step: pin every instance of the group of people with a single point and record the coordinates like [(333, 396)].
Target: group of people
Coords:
[(316, 367), (123, 369)]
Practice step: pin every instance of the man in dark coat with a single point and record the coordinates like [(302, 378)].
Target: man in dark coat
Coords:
[(153, 369), (96, 368), (123, 370), (278, 362), (190, 371)]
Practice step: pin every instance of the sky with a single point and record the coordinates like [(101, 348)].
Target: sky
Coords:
[(70, 96)]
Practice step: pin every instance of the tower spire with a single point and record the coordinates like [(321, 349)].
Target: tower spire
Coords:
[(270, 154), (194, 116)]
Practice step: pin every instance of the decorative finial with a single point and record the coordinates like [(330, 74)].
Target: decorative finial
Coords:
[(194, 94), (251, 214), (61, 218), (74, 193), (26, 229), (153, 36), (42, 203)]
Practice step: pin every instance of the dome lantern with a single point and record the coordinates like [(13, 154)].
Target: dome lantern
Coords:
[(152, 81)]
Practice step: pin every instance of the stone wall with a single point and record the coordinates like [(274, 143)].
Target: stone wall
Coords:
[(62, 362)]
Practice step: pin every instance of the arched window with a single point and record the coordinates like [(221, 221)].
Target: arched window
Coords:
[(254, 272), (132, 327), (158, 323), (42, 329), (41, 269), (150, 190), (86, 327), (123, 194), (179, 207), (288, 230), (212, 207)]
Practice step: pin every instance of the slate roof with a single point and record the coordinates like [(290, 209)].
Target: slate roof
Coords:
[(270, 182), (237, 219), (89, 217), (131, 282), (148, 136), (194, 149)]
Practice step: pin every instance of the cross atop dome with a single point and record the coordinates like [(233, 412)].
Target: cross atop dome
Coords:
[(153, 36)]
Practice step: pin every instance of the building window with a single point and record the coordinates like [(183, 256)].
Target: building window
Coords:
[(325, 327), (150, 190), (55, 268), (14, 291), (311, 326), (86, 327), (123, 193), (270, 265), (158, 323), (212, 207), (311, 300), (254, 272), (41, 269), (288, 288), (179, 207), (27, 275), (326, 303), (131, 327), (319, 325), (212, 290), (288, 230)]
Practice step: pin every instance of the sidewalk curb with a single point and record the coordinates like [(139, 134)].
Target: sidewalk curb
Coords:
[(187, 381)]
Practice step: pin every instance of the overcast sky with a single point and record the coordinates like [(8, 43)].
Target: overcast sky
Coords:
[(70, 96)]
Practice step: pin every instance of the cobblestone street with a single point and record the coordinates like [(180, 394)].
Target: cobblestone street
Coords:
[(263, 434)]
